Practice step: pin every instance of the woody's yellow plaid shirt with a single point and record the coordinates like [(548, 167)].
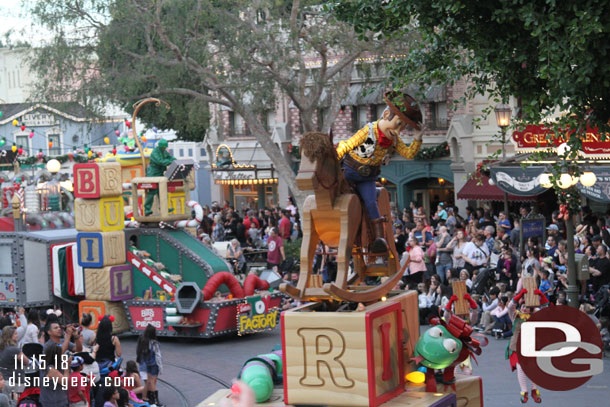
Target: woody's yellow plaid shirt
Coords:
[(376, 159)]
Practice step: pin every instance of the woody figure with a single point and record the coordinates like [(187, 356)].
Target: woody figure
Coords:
[(366, 150)]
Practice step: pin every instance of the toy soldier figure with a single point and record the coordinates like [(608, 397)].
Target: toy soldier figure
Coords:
[(159, 160), (366, 150)]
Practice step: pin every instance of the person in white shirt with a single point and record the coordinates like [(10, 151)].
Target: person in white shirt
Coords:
[(489, 304), (475, 253)]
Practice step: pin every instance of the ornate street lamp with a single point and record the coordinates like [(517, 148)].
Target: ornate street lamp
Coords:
[(503, 114)]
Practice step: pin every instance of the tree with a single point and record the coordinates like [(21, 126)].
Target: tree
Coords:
[(235, 53)]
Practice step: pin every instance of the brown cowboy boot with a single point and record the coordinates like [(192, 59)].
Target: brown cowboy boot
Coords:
[(379, 245)]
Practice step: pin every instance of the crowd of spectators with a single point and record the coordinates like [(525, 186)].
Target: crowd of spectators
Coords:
[(38, 349), (483, 248), (251, 233)]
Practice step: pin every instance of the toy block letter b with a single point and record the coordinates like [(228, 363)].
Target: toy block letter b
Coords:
[(86, 181), (328, 346), (97, 180)]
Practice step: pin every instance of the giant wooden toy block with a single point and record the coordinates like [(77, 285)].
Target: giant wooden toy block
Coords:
[(131, 172), (101, 308), (468, 390), (410, 325), (113, 283), (410, 399), (343, 358), (97, 180), (97, 249), (99, 215), (177, 202)]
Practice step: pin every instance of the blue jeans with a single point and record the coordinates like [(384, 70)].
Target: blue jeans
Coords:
[(441, 270), (366, 189)]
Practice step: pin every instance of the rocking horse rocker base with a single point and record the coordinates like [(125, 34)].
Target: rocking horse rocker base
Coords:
[(334, 216)]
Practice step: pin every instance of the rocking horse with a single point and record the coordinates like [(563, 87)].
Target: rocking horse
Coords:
[(334, 215)]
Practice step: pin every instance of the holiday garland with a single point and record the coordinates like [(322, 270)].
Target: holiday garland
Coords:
[(430, 153)]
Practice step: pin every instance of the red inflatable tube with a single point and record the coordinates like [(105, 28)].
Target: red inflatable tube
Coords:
[(253, 282), (224, 277)]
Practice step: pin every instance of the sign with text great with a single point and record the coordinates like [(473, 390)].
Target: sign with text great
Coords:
[(540, 136)]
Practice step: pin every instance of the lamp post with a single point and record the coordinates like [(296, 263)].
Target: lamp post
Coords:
[(503, 113)]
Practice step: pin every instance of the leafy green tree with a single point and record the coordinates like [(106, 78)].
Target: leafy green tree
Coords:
[(240, 54)]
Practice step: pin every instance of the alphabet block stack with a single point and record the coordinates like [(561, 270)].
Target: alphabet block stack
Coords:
[(100, 242)]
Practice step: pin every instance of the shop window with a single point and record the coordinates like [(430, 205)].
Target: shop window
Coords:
[(237, 125), (439, 115), (359, 117), (379, 111), (202, 152), (56, 150), (190, 152), (23, 141), (181, 152)]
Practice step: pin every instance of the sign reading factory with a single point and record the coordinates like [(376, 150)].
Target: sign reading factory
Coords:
[(535, 136), (227, 172)]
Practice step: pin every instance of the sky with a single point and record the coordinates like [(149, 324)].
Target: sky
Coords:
[(12, 17)]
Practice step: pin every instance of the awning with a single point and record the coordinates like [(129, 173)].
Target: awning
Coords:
[(479, 189), (600, 192)]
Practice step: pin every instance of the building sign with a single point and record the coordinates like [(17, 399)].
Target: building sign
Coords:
[(534, 226), (144, 316), (227, 172), (39, 119), (518, 181), (7, 289), (600, 192), (535, 136), (256, 315)]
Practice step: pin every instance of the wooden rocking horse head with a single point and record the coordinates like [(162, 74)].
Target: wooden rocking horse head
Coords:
[(320, 168)]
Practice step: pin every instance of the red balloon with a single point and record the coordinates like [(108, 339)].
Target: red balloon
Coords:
[(114, 151), (20, 151), (127, 124), (22, 127)]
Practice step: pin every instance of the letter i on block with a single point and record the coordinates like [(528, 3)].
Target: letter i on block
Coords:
[(101, 249), (97, 180)]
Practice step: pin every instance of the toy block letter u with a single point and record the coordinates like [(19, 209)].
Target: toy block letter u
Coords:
[(323, 347)]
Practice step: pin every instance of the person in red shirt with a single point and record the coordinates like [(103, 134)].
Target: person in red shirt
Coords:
[(275, 249), (285, 225), (78, 388), (250, 221)]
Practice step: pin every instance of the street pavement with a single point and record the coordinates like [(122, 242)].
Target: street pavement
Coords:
[(223, 358)]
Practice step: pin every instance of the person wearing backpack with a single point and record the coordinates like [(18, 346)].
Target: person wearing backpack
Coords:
[(149, 358)]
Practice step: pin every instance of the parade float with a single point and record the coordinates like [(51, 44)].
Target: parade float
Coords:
[(355, 343), (143, 268)]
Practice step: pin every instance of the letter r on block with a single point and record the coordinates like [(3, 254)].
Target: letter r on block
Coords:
[(323, 347)]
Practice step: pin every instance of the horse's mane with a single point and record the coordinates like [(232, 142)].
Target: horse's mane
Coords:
[(316, 146)]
